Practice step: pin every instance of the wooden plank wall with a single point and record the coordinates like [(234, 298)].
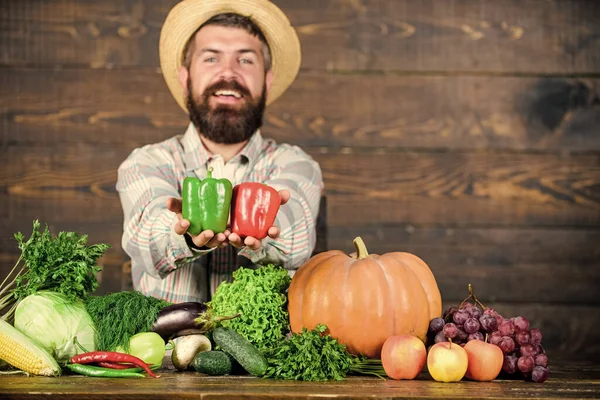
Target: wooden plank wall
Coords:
[(466, 132)]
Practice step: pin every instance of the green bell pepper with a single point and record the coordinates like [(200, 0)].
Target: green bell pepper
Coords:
[(206, 203)]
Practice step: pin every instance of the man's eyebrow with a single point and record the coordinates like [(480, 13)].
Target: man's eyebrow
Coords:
[(247, 51), (240, 51)]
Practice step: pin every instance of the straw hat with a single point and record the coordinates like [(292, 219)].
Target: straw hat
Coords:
[(187, 16)]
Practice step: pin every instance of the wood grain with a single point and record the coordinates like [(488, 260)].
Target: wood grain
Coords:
[(383, 35), (132, 108), (367, 188), (567, 380), (496, 261)]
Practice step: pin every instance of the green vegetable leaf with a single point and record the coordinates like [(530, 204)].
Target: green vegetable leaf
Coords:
[(313, 355), (62, 264), (259, 295)]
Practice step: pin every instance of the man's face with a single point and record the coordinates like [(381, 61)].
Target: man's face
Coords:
[(226, 84)]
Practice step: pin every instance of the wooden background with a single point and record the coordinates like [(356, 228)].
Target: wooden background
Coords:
[(464, 131)]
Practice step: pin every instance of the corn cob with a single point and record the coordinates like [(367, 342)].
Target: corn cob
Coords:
[(25, 354)]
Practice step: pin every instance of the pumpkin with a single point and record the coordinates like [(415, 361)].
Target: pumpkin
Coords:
[(364, 298)]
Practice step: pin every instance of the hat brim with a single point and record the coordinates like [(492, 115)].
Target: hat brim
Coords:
[(188, 15)]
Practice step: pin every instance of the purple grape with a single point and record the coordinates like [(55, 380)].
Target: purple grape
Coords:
[(510, 364), (507, 344), (529, 349), (467, 308), (440, 337), (522, 337), (521, 324), (475, 336), (506, 328), (525, 364), (536, 336), (450, 330), (436, 325), (462, 335), (495, 338), (488, 323), (539, 374), (460, 317), (494, 314), (472, 325), (476, 312), (449, 313), (541, 360)]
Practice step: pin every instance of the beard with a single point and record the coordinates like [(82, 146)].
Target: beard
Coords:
[(225, 124)]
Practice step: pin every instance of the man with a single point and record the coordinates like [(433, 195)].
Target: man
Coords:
[(223, 61)]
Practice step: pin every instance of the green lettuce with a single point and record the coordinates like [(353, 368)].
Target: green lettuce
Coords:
[(260, 296)]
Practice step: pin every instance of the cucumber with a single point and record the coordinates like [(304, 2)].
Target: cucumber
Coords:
[(213, 362), (244, 352)]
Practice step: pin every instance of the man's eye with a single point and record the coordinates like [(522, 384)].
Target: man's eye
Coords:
[(210, 59), (246, 61)]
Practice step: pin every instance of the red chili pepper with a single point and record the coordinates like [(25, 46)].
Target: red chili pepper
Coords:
[(254, 207), (110, 356), (113, 365)]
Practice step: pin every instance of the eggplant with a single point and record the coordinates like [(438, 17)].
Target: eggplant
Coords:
[(187, 317)]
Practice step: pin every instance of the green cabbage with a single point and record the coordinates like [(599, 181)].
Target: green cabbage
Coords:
[(57, 323)]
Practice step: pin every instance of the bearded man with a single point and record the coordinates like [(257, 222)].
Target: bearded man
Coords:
[(224, 61)]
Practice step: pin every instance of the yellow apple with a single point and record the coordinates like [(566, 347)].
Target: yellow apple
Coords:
[(485, 360), (403, 356), (447, 362)]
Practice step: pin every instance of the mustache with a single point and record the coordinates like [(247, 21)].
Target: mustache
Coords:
[(227, 85)]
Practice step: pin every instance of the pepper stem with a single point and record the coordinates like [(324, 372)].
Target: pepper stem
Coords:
[(361, 249), (209, 172)]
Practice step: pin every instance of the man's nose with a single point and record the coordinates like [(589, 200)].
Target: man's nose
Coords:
[(229, 69)]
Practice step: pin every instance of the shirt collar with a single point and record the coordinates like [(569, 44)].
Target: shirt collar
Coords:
[(196, 155)]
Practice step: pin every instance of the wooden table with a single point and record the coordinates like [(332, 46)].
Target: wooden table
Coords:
[(567, 381)]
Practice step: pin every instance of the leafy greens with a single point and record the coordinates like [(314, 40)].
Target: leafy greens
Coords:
[(315, 356), (119, 316), (63, 264), (260, 296)]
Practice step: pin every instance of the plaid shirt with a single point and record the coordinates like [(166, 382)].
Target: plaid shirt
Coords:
[(162, 264)]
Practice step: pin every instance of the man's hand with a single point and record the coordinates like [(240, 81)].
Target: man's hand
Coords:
[(204, 238), (253, 243)]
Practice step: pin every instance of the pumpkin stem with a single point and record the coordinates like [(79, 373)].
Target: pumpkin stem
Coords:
[(361, 249)]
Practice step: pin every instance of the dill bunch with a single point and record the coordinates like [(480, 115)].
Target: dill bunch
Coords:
[(118, 316)]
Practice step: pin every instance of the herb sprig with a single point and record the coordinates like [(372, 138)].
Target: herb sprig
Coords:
[(63, 264), (313, 355)]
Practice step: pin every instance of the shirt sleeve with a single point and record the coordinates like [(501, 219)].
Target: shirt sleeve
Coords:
[(145, 181), (298, 173)]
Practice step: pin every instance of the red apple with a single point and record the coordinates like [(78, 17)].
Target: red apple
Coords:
[(485, 360), (403, 356), (447, 362)]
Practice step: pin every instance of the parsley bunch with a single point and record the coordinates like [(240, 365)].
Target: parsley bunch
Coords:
[(314, 356), (259, 296), (63, 264)]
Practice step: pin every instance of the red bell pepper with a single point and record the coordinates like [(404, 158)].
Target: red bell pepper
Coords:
[(254, 207)]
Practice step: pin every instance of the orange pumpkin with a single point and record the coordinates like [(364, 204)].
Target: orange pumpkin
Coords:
[(364, 298)]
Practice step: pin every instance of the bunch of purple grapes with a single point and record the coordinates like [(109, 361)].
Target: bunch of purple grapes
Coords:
[(524, 355)]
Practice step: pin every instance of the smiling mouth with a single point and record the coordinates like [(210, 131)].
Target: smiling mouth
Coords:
[(228, 94)]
